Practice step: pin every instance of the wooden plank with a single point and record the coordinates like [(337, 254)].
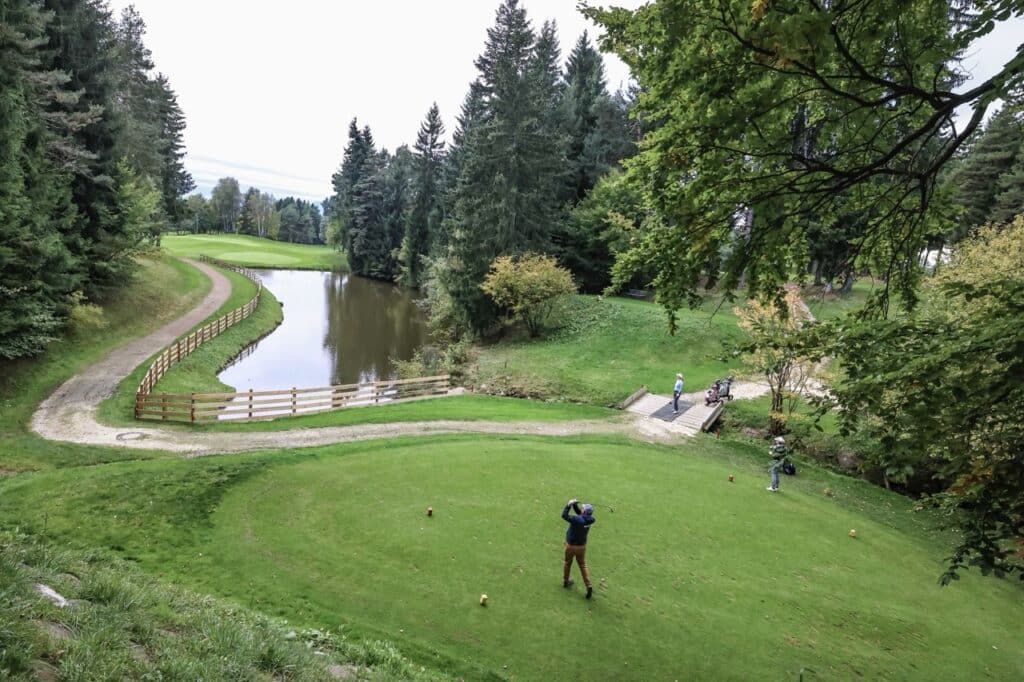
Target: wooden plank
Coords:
[(172, 399), (284, 399), (159, 414)]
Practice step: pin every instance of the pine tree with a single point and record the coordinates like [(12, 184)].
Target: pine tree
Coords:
[(424, 213), (976, 181), (1010, 191), (511, 163), (38, 273), (82, 36), (357, 151), (175, 181), (365, 244)]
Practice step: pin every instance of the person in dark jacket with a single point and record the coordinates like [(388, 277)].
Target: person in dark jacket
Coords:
[(576, 542)]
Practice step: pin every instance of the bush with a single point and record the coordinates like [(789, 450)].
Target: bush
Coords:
[(529, 288)]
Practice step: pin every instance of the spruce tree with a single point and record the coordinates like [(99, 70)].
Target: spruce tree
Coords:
[(424, 213), (1010, 191), (976, 181), (83, 45), (366, 246), (506, 196), (175, 182), (38, 273), (345, 179)]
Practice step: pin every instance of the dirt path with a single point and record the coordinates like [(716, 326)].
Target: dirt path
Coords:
[(69, 413)]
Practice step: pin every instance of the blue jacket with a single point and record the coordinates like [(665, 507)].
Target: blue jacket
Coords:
[(579, 526)]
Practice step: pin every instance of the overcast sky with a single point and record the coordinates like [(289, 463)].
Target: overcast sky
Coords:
[(268, 88)]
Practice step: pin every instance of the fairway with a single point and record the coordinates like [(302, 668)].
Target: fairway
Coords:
[(254, 252), (698, 578)]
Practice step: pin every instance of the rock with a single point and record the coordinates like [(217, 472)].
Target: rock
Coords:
[(55, 631), (343, 672), (848, 460), (51, 595), (44, 672)]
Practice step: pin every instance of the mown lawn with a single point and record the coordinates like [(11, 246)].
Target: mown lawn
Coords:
[(255, 252), (698, 578)]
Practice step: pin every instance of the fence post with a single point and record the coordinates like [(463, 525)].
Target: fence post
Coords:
[(250, 403), (294, 409), (192, 408), (163, 407)]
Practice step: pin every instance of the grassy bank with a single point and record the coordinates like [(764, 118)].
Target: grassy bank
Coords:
[(124, 624), (255, 252), (163, 289), (697, 577), (609, 347)]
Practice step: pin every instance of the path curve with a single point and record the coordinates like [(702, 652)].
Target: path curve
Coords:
[(69, 413)]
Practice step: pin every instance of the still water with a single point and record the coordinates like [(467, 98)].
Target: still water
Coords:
[(337, 329)]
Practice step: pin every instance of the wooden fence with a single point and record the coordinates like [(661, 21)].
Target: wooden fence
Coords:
[(252, 405), (184, 346)]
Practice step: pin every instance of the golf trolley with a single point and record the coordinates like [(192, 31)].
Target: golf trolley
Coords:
[(719, 391)]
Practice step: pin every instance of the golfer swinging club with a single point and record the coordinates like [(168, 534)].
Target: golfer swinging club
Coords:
[(576, 542)]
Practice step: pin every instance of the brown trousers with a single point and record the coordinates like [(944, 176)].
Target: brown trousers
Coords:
[(579, 552)]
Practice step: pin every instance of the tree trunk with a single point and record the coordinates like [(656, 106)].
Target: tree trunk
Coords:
[(776, 420), (847, 284)]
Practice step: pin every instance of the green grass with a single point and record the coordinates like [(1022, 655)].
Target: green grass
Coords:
[(607, 349), (703, 579), (468, 407), (162, 290), (255, 252), (127, 625), (833, 306)]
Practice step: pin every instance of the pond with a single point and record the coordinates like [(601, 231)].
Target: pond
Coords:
[(337, 329)]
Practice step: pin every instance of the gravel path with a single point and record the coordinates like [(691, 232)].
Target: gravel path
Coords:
[(69, 413)]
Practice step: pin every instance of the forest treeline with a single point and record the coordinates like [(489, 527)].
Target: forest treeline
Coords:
[(533, 140), (255, 213), (90, 161)]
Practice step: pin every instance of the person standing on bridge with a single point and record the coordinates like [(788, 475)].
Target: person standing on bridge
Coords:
[(676, 392), (576, 542)]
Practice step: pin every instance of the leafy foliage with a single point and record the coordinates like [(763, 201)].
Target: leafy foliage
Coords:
[(942, 392), (776, 350), (529, 288), (769, 116)]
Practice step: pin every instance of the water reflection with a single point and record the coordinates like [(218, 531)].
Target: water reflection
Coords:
[(337, 329)]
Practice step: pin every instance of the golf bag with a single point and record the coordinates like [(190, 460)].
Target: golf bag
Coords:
[(719, 391)]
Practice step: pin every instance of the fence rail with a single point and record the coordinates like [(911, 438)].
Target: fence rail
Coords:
[(186, 345), (254, 405)]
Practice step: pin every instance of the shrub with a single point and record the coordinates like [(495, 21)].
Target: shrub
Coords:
[(529, 288)]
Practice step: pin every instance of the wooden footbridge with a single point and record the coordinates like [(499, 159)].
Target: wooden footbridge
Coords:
[(692, 418)]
